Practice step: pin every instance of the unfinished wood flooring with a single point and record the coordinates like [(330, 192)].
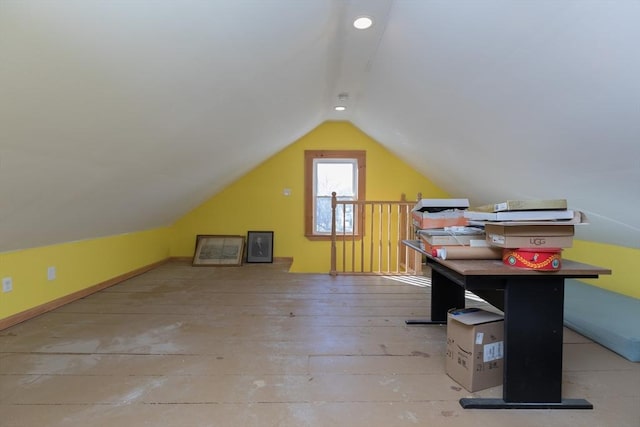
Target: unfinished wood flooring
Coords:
[(258, 346)]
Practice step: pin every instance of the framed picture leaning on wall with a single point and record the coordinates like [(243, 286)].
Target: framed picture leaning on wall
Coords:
[(218, 250), (260, 246)]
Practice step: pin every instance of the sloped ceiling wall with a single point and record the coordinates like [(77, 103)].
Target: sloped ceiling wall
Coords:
[(504, 99), (123, 116)]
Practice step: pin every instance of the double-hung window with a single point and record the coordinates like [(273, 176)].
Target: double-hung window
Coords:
[(327, 171)]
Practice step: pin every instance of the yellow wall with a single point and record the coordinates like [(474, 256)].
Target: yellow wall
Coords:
[(79, 265), (620, 260), (256, 201)]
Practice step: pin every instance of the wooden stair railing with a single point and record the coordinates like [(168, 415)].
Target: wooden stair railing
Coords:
[(371, 242)]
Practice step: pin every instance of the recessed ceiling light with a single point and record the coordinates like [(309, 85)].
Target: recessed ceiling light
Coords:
[(363, 22), (339, 108)]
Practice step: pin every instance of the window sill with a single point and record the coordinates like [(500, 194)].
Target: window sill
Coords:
[(323, 237)]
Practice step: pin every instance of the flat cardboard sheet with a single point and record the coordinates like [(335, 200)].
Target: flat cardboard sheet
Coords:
[(474, 316)]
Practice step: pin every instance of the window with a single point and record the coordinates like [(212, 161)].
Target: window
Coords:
[(327, 171)]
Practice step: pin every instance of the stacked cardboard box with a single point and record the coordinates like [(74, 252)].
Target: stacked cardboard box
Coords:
[(442, 230), (439, 213), (475, 348), (452, 236), (530, 236), (457, 243), (532, 233)]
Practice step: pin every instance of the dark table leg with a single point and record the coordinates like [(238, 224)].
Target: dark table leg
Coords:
[(445, 294), (533, 348)]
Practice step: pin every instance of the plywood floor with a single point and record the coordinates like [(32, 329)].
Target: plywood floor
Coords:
[(258, 346)]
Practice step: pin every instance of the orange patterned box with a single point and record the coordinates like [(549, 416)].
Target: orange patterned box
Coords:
[(533, 258)]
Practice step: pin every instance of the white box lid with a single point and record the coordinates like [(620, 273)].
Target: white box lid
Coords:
[(474, 316)]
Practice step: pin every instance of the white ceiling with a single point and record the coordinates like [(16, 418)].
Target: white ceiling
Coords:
[(119, 116)]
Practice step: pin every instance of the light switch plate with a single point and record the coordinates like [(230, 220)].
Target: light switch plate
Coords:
[(7, 284)]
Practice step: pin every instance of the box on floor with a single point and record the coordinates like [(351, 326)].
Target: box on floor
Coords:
[(475, 348)]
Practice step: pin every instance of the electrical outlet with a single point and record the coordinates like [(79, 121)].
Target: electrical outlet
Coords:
[(51, 273), (7, 284)]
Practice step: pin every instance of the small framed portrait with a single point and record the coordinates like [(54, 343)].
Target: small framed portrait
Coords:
[(218, 250), (260, 246)]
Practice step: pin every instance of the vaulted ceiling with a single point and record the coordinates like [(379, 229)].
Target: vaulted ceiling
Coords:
[(119, 116)]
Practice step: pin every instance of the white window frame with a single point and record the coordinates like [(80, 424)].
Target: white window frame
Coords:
[(351, 197), (310, 176)]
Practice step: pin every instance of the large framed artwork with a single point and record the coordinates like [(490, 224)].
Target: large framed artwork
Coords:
[(260, 246), (218, 250)]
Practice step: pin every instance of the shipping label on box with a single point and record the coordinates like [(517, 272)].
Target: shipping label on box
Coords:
[(475, 348), (493, 351)]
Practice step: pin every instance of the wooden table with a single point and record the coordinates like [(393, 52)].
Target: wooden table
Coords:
[(533, 305)]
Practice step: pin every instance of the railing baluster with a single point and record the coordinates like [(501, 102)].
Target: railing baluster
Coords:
[(387, 239), (334, 203), (380, 237), (353, 237), (398, 233), (344, 238), (371, 248), (362, 213)]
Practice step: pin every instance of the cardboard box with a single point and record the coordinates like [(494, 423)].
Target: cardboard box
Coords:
[(530, 236), (437, 205), (454, 240), (579, 218), (522, 205), (540, 215), (448, 218), (516, 242), (439, 213), (475, 348), (531, 230)]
